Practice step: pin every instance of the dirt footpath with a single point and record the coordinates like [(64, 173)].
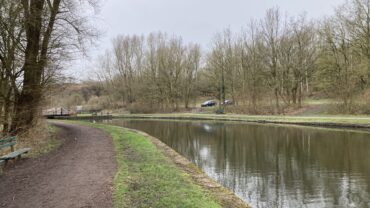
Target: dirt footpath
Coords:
[(78, 174)]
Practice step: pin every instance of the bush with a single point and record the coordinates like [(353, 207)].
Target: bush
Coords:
[(220, 111), (137, 108), (247, 109)]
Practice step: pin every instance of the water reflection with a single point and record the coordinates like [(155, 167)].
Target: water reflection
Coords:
[(274, 166)]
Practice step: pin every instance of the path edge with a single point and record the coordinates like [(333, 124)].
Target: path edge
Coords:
[(221, 194)]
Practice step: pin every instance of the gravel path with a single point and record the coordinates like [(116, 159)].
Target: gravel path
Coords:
[(77, 174)]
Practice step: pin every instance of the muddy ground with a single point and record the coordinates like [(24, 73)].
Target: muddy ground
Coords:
[(78, 174)]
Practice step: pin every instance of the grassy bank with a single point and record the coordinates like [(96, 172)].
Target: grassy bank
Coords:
[(333, 121), (148, 178)]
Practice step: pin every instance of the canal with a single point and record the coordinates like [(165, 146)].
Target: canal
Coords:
[(271, 165)]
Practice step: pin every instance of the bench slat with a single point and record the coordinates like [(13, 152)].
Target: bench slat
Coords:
[(15, 154), (8, 139), (7, 145)]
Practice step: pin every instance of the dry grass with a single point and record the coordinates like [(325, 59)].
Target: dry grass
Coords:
[(42, 138)]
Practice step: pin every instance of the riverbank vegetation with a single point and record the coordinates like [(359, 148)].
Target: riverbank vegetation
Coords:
[(271, 66), (146, 177), (324, 121)]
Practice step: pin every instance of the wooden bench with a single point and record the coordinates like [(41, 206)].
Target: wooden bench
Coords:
[(10, 142)]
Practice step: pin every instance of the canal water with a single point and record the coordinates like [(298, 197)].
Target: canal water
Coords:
[(273, 166)]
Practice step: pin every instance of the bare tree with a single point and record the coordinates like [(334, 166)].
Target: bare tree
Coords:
[(11, 54), (128, 53), (36, 37), (252, 64), (355, 17), (337, 63), (222, 63), (272, 30), (297, 58), (191, 67)]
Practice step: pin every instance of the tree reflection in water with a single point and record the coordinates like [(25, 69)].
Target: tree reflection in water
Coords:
[(274, 166)]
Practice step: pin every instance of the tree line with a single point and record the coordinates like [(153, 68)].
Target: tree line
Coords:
[(271, 61), (270, 65), (158, 71), (36, 38)]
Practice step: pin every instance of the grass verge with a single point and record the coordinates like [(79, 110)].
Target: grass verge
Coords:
[(330, 121), (147, 178)]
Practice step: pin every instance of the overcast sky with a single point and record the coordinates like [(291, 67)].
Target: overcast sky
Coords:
[(195, 20)]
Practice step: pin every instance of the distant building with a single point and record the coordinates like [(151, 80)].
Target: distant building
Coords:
[(55, 111), (79, 109)]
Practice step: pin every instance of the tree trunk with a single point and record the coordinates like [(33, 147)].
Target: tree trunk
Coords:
[(1, 114), (276, 91), (28, 101), (27, 104), (7, 112), (187, 98), (294, 95), (300, 96)]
